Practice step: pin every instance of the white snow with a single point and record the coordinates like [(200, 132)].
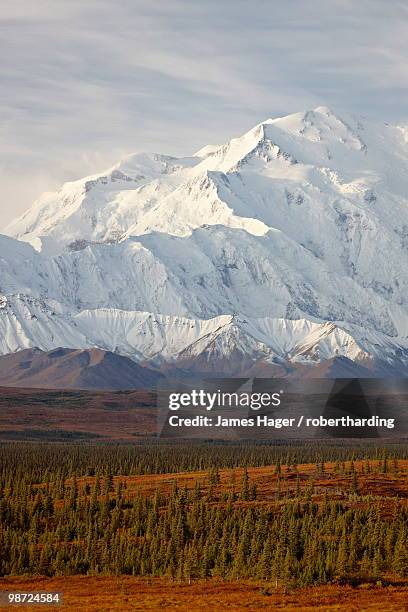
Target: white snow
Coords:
[(299, 227)]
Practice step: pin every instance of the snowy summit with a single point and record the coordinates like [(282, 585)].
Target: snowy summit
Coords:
[(286, 245)]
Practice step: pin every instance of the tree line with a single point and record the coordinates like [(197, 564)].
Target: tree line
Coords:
[(36, 460)]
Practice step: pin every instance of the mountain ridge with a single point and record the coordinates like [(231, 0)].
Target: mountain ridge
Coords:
[(302, 218), (64, 368), (96, 369)]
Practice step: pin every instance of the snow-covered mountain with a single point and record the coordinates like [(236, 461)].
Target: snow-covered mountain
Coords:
[(287, 244)]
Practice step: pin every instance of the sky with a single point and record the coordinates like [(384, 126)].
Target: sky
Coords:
[(84, 83)]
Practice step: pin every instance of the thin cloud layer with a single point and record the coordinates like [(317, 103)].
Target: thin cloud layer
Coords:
[(84, 83)]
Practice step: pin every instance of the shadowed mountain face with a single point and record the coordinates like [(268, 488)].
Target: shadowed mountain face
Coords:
[(65, 368), (337, 367), (74, 369)]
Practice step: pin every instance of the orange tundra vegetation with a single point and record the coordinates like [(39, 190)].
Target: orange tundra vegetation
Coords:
[(123, 527), (127, 593)]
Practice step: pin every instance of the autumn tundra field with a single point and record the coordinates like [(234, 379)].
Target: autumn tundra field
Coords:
[(190, 525)]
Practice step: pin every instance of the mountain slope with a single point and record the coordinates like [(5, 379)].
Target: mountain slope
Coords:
[(74, 369), (299, 224)]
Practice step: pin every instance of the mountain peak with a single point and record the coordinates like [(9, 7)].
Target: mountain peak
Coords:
[(146, 192), (324, 110), (282, 243)]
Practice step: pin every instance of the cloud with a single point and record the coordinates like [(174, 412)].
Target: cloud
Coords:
[(86, 82)]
